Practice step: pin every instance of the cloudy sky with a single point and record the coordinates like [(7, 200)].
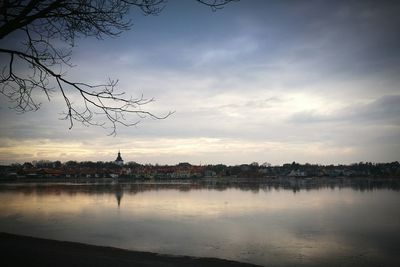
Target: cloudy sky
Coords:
[(265, 81)]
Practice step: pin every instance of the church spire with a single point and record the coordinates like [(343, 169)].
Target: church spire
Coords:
[(119, 161)]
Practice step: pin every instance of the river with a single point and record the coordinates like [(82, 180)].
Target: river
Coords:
[(306, 224)]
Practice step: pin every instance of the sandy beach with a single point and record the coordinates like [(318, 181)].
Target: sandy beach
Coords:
[(29, 251)]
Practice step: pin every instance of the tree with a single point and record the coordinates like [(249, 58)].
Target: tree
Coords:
[(36, 67)]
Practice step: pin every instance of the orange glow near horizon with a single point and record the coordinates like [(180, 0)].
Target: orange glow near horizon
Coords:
[(166, 151)]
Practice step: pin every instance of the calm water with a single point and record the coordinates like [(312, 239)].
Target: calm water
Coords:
[(263, 224)]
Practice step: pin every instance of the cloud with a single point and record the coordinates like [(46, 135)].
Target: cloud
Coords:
[(384, 110), (311, 82)]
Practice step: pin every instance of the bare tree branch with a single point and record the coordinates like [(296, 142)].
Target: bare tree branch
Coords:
[(42, 23), (215, 4)]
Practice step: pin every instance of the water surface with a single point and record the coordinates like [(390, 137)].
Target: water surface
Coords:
[(262, 224)]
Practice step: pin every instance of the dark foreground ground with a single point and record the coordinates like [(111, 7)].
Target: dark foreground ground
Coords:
[(28, 251)]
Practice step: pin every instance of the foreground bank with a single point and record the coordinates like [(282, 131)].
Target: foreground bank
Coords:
[(19, 250)]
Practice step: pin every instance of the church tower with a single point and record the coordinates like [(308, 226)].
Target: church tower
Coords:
[(119, 161)]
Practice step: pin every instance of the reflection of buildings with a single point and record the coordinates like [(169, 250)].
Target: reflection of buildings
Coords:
[(119, 192), (119, 161)]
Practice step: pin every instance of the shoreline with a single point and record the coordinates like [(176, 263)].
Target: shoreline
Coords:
[(54, 179), (18, 250)]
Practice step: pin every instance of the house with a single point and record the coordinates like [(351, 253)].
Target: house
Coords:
[(297, 173)]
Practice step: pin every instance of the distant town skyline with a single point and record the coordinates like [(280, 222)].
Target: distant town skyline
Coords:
[(184, 170), (258, 81)]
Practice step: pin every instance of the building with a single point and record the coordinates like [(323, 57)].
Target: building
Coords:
[(119, 161)]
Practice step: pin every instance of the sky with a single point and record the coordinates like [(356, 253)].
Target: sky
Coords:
[(265, 81)]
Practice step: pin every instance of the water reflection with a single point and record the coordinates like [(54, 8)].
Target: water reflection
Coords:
[(255, 186), (306, 223), (119, 192)]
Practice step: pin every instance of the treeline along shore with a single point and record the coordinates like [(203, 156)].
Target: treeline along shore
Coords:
[(72, 170)]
